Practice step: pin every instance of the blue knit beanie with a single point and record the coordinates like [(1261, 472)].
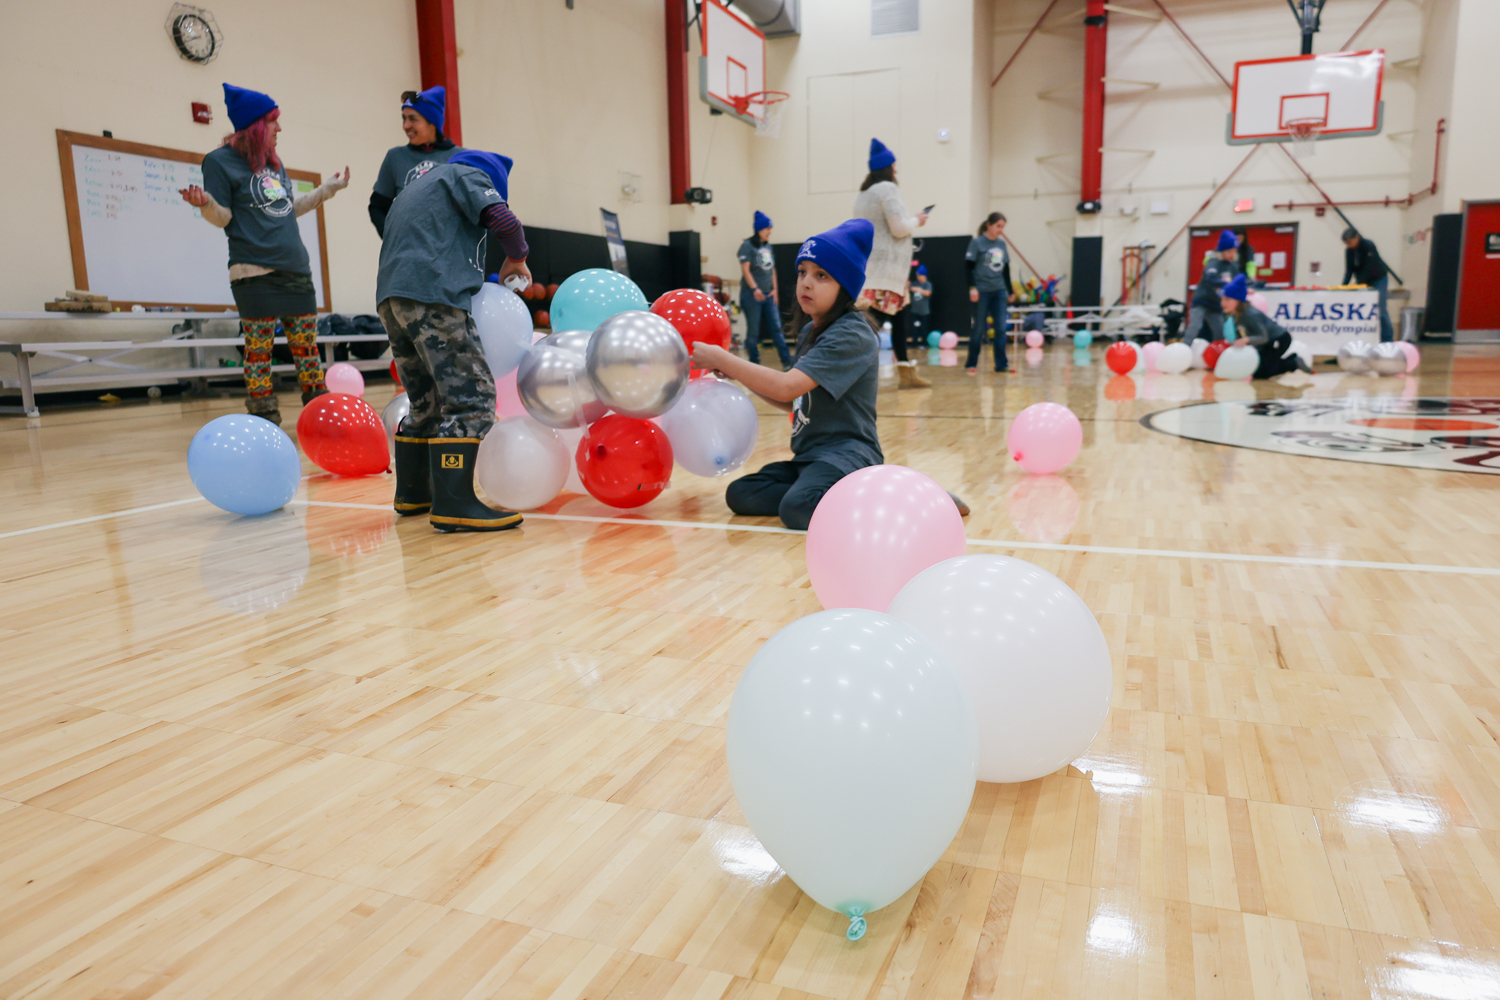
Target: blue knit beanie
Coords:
[(762, 221), (431, 104), (495, 167), (246, 107), (880, 157), (843, 252), (1228, 241), (1236, 288), (921, 270)]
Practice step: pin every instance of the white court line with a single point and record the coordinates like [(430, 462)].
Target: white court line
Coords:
[(1111, 550)]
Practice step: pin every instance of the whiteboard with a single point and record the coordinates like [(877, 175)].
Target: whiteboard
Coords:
[(135, 239)]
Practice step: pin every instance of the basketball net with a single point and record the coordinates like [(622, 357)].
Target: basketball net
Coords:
[(1304, 133), (769, 102)]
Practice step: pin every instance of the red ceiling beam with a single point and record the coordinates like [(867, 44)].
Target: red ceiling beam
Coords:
[(1095, 47), (437, 48)]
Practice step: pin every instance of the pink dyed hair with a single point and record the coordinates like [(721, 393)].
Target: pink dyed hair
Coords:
[(253, 142)]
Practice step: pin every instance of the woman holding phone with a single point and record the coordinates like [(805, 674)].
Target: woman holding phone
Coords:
[(885, 293)]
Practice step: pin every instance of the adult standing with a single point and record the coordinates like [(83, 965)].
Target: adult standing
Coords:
[(988, 263), (431, 264), (885, 290), (1207, 320), (1363, 264), (246, 192), (759, 295), (422, 116)]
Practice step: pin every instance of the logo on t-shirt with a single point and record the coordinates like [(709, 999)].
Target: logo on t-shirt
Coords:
[(995, 259), (268, 194), (801, 413), (417, 171), (766, 260)]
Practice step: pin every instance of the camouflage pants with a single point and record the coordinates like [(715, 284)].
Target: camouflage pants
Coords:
[(442, 367)]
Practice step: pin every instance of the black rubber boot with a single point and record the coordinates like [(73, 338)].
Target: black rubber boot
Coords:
[(454, 505), (413, 476)]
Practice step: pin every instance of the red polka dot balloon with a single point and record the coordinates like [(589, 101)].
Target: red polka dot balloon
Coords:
[(696, 315), (343, 435)]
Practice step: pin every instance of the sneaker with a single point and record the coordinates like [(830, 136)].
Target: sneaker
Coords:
[(1302, 365)]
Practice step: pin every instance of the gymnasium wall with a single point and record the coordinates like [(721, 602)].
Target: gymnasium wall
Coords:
[(1172, 135)]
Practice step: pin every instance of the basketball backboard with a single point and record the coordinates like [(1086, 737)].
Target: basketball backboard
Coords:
[(733, 64), (1337, 94)]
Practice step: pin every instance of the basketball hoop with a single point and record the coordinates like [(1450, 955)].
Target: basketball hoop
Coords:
[(1304, 133), (768, 122)]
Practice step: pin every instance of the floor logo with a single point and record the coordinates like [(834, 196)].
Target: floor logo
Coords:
[(1456, 435)]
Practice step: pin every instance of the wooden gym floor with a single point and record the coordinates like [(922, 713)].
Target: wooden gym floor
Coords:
[(320, 754)]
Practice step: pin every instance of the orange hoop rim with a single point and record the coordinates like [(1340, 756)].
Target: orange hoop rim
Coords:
[(1305, 128), (763, 97)]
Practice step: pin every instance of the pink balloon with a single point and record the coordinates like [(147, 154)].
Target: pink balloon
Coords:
[(507, 397), (1259, 301), (875, 530), (1151, 352), (345, 378), (1044, 437), (1034, 338), (1413, 356), (947, 342)]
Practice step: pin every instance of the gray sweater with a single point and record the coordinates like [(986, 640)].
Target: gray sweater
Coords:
[(1255, 326)]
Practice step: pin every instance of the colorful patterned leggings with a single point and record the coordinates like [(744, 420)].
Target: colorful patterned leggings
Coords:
[(302, 338)]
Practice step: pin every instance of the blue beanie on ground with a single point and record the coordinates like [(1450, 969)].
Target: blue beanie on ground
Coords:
[(762, 221), (431, 104), (843, 252), (880, 157), (1236, 288), (1228, 241), (246, 107), (495, 167)]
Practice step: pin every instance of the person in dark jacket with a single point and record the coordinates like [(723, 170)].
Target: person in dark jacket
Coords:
[(1207, 320), (1259, 331), (1362, 264), (422, 120)]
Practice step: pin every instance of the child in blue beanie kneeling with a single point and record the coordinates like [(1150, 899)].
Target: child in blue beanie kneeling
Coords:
[(829, 389)]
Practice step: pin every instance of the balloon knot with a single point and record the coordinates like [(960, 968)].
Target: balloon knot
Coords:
[(857, 924)]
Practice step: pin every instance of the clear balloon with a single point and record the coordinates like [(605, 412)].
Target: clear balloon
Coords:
[(244, 464), (1029, 651), (1174, 359), (343, 435), (521, 464), (553, 384), (713, 428), (948, 341), (851, 746), (1387, 359), (1034, 338), (1150, 352), (343, 377), (1354, 357), (589, 297), (395, 411), (876, 529), (637, 363), (504, 326), (1237, 363), (571, 436), (1044, 437)]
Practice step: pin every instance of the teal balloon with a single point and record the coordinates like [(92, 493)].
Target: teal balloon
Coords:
[(244, 464), (934, 337), (1082, 338), (1081, 358), (590, 297)]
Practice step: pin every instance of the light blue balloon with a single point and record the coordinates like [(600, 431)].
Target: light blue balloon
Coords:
[(590, 297), (244, 464), (934, 337), (885, 340), (1081, 357), (1082, 338)]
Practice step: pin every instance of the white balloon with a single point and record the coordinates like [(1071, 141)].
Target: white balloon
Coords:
[(504, 326), (713, 427), (1237, 363), (1199, 346), (521, 464), (1029, 651), (1174, 359), (570, 437), (851, 750)]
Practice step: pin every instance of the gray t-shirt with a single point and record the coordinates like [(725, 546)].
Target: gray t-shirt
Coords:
[(835, 422), (921, 298), (991, 263), (762, 264), (263, 230), (434, 240), (403, 164)]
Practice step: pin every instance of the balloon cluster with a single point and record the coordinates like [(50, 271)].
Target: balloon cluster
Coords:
[(855, 734), (1389, 358), (609, 392)]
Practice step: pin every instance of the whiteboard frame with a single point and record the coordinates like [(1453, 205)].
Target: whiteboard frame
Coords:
[(65, 143)]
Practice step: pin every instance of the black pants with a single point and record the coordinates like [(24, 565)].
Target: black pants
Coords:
[(1271, 361), (789, 490), (898, 330), (918, 330)]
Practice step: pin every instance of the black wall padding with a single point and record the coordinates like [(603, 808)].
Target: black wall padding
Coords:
[(557, 253), (1087, 271), (1442, 273)]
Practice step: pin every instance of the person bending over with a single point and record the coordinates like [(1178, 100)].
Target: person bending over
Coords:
[(1259, 331), (829, 390), (1362, 263)]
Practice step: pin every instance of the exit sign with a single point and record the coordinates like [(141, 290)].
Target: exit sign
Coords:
[(1245, 205)]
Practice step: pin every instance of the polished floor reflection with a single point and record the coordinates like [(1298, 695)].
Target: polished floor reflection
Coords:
[(322, 753)]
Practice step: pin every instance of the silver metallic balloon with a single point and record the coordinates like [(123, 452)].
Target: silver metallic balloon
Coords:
[(395, 411), (1354, 357), (1387, 359), (552, 384), (638, 364)]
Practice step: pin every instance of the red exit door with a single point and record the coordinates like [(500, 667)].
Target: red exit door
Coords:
[(1479, 269), (1272, 245)]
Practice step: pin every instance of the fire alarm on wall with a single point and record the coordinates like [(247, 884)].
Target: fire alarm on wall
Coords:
[(202, 113)]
